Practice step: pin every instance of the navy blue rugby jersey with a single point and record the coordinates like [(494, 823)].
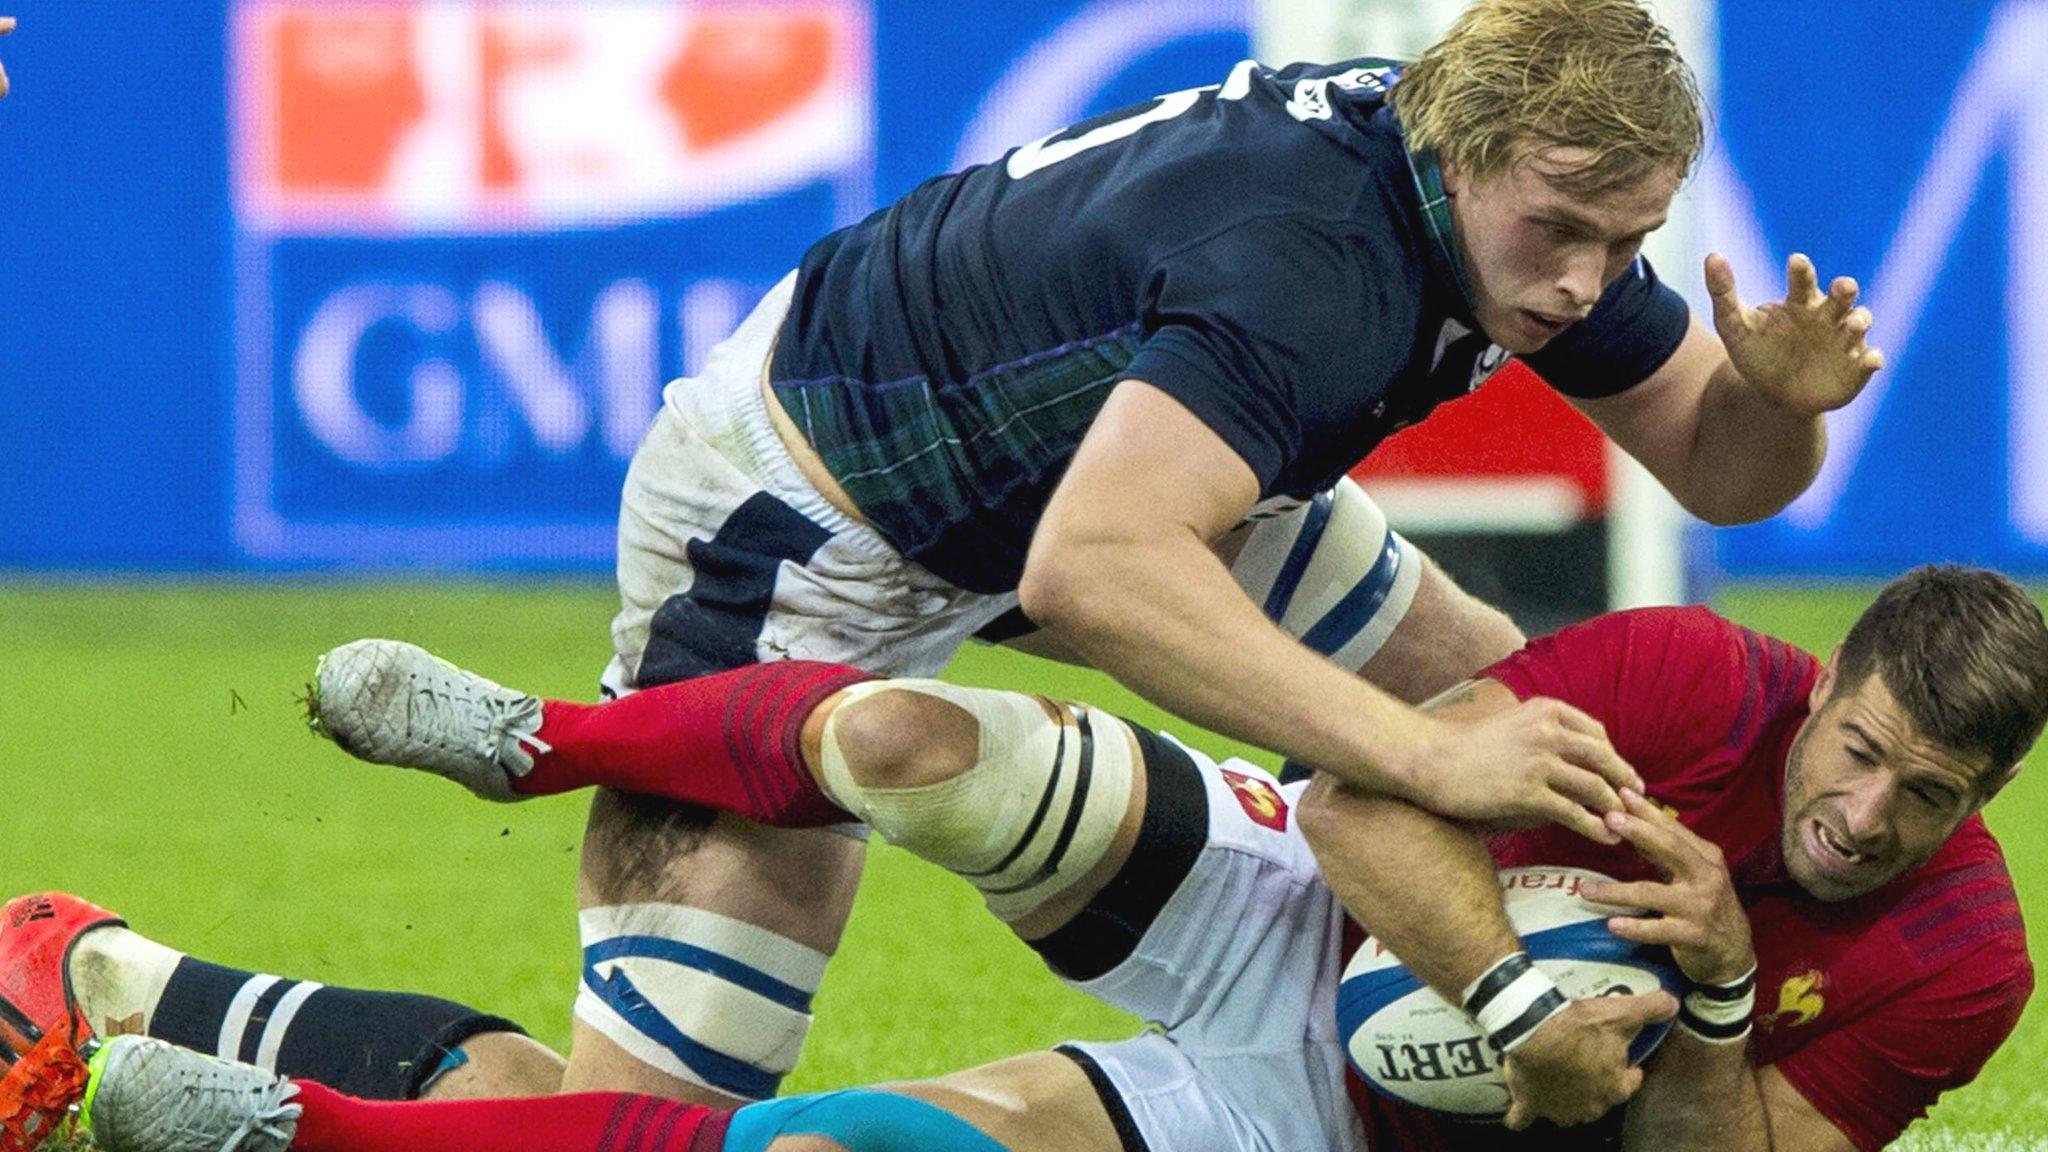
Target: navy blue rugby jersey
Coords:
[(1257, 250)]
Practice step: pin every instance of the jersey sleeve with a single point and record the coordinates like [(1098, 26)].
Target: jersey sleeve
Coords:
[(1874, 1076), (1276, 332), (1630, 333)]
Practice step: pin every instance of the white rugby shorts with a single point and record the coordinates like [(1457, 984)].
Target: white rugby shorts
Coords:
[(728, 556), (1238, 977)]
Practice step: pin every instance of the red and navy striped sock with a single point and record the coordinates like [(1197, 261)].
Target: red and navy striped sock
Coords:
[(730, 741), (589, 1122)]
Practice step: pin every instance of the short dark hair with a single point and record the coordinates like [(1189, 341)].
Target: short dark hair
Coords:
[(1965, 652)]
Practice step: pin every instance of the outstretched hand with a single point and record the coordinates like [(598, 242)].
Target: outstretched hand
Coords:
[(1807, 351)]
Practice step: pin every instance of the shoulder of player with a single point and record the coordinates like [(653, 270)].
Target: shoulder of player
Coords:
[(1956, 920), (1690, 640)]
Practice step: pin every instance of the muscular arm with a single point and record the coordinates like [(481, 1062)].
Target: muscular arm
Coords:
[(1121, 570), (1426, 887), (1727, 450), (1702, 1097), (1423, 885), (1731, 423)]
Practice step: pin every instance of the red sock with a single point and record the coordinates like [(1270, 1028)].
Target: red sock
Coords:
[(595, 1122), (730, 741)]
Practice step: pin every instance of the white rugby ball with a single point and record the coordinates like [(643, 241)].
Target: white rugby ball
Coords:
[(1413, 1045)]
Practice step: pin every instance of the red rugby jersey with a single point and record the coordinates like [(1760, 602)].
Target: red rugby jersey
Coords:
[(1871, 1007)]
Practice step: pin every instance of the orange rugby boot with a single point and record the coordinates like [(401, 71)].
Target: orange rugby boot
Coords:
[(37, 934)]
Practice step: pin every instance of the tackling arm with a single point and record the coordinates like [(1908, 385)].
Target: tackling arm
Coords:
[(1121, 570)]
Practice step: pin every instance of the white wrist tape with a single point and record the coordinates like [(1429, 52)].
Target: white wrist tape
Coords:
[(1511, 1000), (1719, 1013)]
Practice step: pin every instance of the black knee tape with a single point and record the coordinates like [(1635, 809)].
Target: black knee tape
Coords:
[(1176, 826)]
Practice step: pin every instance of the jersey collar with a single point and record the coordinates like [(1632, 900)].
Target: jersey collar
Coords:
[(1428, 174)]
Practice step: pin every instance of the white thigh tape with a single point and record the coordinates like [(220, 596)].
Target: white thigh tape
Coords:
[(1035, 812), (696, 995)]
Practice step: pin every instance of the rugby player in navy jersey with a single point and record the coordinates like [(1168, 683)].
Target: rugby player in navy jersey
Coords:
[(1814, 832), (1064, 381)]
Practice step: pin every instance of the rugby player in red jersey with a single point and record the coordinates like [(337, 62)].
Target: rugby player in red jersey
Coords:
[(1815, 825), (1825, 834)]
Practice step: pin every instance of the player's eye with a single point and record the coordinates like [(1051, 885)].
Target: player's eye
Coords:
[(1932, 797)]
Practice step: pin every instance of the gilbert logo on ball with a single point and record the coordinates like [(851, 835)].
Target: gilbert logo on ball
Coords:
[(1409, 1043)]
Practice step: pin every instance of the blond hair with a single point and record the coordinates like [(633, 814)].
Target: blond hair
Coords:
[(1520, 77)]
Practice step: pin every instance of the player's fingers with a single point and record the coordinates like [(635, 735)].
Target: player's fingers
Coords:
[(1645, 894), (1720, 277), (1573, 815), (1871, 361), (1633, 1012), (1653, 843), (6, 25), (1586, 745), (1576, 720), (1657, 931), (1584, 788), (1682, 839), (1841, 297), (1858, 322), (1802, 283)]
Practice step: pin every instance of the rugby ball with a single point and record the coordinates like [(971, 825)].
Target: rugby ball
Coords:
[(1411, 1044)]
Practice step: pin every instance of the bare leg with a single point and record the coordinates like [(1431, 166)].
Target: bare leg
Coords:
[(500, 1064), (796, 883)]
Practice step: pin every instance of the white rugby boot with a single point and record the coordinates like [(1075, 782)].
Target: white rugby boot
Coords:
[(148, 1096), (390, 702)]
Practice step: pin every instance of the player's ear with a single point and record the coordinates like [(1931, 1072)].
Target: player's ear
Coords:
[(1454, 176), (1824, 683)]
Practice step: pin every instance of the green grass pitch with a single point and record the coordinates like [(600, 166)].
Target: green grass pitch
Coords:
[(157, 765)]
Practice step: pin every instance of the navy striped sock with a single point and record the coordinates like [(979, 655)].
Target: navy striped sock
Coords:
[(374, 1045)]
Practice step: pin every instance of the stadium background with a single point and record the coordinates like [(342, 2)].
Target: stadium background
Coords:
[(323, 319)]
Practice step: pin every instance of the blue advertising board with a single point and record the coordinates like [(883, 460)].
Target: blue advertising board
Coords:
[(396, 283), (1905, 144), (345, 284)]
